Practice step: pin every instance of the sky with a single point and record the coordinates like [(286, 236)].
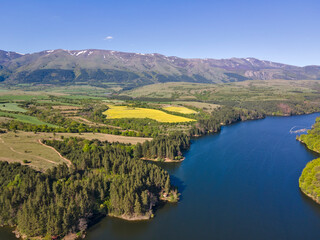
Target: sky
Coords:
[(276, 30)]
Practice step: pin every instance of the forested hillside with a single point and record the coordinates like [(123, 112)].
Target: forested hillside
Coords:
[(105, 179), (312, 139), (309, 180)]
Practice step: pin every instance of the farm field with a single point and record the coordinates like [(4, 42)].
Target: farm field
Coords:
[(179, 109), (19, 146), (99, 136), (25, 119), (12, 107), (45, 93), (208, 107), (20, 95), (129, 112)]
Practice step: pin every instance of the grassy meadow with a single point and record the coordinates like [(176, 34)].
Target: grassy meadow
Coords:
[(20, 146), (25, 119), (11, 107)]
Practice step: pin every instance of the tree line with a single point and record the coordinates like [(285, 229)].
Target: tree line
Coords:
[(162, 147), (222, 116)]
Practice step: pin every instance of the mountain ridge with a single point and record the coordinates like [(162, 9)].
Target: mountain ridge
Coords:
[(103, 67)]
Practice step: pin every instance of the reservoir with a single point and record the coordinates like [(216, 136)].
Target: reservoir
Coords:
[(241, 183)]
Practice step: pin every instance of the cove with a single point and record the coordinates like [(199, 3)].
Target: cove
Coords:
[(241, 183)]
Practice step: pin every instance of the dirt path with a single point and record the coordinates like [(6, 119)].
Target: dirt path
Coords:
[(86, 121), (65, 159)]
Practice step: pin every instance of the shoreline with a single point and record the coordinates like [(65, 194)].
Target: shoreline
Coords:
[(69, 236), (74, 236), (132, 218), (310, 196), (166, 160), (315, 151)]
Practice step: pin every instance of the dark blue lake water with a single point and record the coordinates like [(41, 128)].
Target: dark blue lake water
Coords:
[(239, 184)]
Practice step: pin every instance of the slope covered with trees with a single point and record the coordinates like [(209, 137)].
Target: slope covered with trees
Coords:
[(105, 179), (222, 116), (312, 139), (309, 181), (163, 147)]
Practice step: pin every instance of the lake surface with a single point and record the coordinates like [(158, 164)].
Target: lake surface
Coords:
[(239, 184)]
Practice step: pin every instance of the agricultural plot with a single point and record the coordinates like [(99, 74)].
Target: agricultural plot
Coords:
[(130, 112), (25, 119), (19, 95), (101, 136), (57, 103), (11, 107), (179, 109), (25, 148), (208, 107)]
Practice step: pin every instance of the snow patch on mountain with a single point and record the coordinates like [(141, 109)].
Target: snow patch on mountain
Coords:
[(81, 52)]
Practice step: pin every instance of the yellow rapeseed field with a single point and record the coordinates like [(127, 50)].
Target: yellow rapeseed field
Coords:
[(132, 112), (183, 110)]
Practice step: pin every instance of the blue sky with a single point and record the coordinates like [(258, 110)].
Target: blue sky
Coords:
[(282, 31)]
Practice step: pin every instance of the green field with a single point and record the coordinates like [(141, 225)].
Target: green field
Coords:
[(19, 95), (12, 107), (16, 147), (25, 119)]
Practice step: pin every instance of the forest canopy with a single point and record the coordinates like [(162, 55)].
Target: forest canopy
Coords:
[(105, 179)]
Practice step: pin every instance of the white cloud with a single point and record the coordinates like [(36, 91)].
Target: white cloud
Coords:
[(108, 38)]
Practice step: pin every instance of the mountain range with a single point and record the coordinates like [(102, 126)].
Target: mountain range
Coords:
[(105, 68)]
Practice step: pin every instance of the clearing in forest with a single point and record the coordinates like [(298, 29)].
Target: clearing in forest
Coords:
[(133, 112)]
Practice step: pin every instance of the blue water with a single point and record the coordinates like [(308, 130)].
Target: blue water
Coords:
[(239, 184)]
